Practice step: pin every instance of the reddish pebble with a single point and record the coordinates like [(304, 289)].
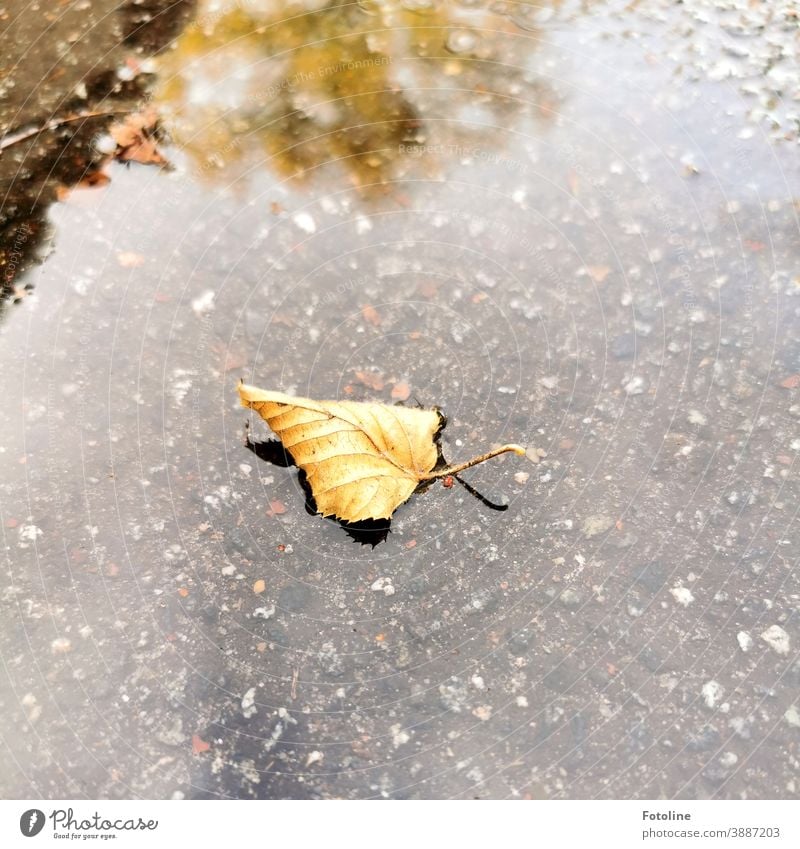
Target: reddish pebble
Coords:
[(276, 508), (448, 482), (401, 391), (199, 745)]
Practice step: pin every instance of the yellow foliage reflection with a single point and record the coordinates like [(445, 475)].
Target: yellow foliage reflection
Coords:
[(359, 83)]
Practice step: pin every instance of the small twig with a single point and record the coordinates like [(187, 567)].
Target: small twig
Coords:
[(454, 470), (7, 141)]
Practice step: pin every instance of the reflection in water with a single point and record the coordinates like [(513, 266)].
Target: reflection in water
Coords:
[(346, 82), (59, 93)]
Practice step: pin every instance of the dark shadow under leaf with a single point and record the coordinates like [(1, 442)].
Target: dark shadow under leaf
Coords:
[(367, 532)]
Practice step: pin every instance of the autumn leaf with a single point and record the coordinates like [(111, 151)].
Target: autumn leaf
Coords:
[(371, 379), (129, 259), (135, 138), (401, 391), (199, 745), (598, 273), (371, 315), (362, 461)]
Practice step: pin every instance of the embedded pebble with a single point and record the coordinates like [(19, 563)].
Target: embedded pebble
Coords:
[(461, 41), (27, 534), (383, 585), (595, 525), (571, 598), (399, 736), (792, 717), (61, 645), (777, 639), (712, 692), (305, 222), (204, 303), (635, 386), (249, 703), (682, 595)]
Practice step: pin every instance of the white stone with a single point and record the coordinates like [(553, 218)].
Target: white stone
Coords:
[(712, 693), (399, 736), (682, 595), (249, 703), (792, 716), (61, 645), (777, 639), (635, 386), (305, 222), (203, 303)]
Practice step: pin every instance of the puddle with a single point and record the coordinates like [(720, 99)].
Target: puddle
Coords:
[(571, 226)]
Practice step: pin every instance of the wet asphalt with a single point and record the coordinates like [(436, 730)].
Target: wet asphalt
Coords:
[(576, 230)]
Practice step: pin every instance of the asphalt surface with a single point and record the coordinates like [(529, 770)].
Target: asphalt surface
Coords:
[(576, 231)]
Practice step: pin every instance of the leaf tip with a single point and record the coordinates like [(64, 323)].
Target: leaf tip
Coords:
[(244, 393)]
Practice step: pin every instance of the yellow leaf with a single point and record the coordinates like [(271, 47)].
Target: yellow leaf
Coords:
[(362, 461)]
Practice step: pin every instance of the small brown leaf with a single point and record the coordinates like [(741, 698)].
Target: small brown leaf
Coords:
[(362, 461), (199, 745), (428, 289), (574, 183), (134, 138), (371, 315), (401, 391), (791, 382), (371, 379), (129, 259), (598, 273)]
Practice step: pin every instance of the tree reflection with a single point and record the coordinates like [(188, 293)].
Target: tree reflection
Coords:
[(359, 84)]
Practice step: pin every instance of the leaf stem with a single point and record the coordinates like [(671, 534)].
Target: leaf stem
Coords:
[(454, 470)]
